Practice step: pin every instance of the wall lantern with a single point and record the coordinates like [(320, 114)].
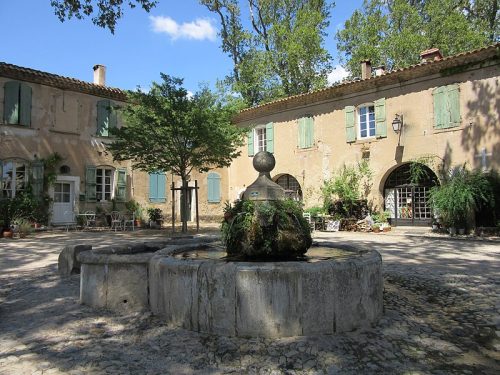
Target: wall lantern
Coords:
[(397, 123)]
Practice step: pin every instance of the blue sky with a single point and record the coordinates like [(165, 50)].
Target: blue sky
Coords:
[(177, 37)]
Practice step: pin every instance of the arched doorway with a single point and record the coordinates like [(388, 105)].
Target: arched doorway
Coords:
[(291, 186), (408, 202)]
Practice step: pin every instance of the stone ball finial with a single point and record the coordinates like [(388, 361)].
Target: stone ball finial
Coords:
[(264, 162)]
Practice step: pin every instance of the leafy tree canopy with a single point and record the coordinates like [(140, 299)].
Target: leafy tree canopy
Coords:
[(278, 51), (394, 32), (167, 130), (105, 13)]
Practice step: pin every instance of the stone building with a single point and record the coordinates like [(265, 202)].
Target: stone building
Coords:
[(43, 113), (444, 109)]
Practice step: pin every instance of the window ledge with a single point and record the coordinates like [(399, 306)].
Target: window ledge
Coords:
[(63, 132), (448, 130), (365, 140), (15, 126), (312, 148)]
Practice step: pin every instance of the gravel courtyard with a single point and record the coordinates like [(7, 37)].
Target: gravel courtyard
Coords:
[(441, 299)]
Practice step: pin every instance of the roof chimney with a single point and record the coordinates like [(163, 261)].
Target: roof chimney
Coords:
[(366, 69), (430, 55), (99, 75), (379, 70)]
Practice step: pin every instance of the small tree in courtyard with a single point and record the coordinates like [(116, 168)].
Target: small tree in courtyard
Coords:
[(167, 130)]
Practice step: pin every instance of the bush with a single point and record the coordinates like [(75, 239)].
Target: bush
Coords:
[(461, 195), (155, 214)]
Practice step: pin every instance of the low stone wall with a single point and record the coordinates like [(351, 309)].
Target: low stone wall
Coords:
[(267, 299), (116, 277)]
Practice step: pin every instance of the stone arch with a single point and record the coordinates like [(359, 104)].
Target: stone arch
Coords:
[(291, 185), (407, 201)]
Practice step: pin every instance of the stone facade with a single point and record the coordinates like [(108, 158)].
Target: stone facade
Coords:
[(48, 114), (472, 136)]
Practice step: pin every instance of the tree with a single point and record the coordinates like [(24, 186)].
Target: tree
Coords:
[(394, 32), (281, 52), (166, 130), (108, 11)]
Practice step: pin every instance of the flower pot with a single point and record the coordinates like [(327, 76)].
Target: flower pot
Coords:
[(452, 231), (461, 231), (376, 230), (387, 229), (8, 233)]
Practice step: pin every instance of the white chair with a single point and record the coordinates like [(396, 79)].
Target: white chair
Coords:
[(128, 221), (309, 219), (116, 220), (90, 219)]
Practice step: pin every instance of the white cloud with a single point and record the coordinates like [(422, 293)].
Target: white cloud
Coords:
[(337, 74), (199, 29)]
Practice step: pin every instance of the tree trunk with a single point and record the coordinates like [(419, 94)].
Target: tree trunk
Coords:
[(184, 204)]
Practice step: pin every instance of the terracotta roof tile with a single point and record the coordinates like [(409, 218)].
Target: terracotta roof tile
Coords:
[(65, 83), (397, 75)]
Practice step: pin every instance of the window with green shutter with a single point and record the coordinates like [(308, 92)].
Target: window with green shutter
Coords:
[(250, 143), (306, 132), (37, 178), (350, 123), (270, 137), (446, 106), (213, 189), (17, 103), (121, 185), (157, 187), (106, 117), (380, 120), (90, 183)]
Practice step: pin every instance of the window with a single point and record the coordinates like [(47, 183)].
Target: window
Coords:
[(14, 178), (105, 183), (261, 138), (446, 106), (306, 132), (157, 187), (17, 103), (213, 181), (366, 121), (106, 117), (62, 192)]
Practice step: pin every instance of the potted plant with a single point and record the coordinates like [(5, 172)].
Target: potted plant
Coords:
[(134, 207), (155, 217), (376, 228)]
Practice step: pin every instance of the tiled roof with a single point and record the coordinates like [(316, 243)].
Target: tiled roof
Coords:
[(65, 83), (395, 76)]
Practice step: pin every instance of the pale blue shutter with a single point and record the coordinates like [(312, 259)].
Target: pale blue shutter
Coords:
[(453, 99), (37, 178), (250, 143), (112, 122), (213, 182), (440, 112), (121, 185), (270, 137), (103, 117), (380, 123), (11, 102), (157, 187), (90, 183), (350, 122), (309, 125), (25, 105), (162, 187), (153, 187)]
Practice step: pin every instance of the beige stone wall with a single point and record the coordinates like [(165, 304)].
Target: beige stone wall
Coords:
[(479, 128), (65, 122)]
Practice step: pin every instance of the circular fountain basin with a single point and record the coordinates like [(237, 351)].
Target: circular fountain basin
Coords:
[(330, 291)]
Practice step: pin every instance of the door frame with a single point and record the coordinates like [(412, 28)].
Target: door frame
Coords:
[(76, 195)]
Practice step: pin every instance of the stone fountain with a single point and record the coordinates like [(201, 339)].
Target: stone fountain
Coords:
[(262, 281)]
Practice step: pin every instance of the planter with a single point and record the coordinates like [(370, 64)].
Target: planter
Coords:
[(376, 230), (8, 234), (387, 229), (452, 231), (461, 231)]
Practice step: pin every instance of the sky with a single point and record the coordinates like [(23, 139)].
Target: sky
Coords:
[(179, 38)]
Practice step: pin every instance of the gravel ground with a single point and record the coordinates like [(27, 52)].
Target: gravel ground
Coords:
[(441, 316)]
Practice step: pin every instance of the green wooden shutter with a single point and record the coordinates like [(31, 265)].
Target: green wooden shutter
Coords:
[(121, 185), (250, 142), (112, 116), (301, 126), (162, 187), (90, 183), (439, 107), (213, 190), (380, 119), (103, 118), (25, 105), (309, 131), (453, 105), (270, 137), (37, 178), (350, 122), (11, 102), (153, 187)]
